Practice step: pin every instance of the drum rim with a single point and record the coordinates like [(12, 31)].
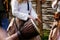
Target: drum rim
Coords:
[(37, 29)]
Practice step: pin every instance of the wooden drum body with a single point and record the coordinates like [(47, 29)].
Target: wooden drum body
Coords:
[(29, 29)]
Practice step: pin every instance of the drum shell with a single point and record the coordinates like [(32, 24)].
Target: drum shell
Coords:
[(28, 30)]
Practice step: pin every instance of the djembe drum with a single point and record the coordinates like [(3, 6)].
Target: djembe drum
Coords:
[(29, 29)]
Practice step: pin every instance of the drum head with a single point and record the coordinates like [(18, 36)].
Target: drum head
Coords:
[(35, 26)]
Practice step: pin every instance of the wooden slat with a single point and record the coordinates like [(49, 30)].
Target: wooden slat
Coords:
[(39, 12)]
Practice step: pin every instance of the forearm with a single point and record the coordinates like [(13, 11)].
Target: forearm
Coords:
[(50, 35), (37, 19), (13, 36)]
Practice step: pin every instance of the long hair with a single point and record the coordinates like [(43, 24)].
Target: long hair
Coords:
[(20, 1)]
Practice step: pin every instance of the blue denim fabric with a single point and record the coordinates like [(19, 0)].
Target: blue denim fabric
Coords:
[(5, 23)]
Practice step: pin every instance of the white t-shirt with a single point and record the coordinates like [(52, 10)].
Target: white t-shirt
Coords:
[(20, 10)]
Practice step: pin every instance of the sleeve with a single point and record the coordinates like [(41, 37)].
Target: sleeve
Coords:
[(17, 13), (32, 11), (54, 2)]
